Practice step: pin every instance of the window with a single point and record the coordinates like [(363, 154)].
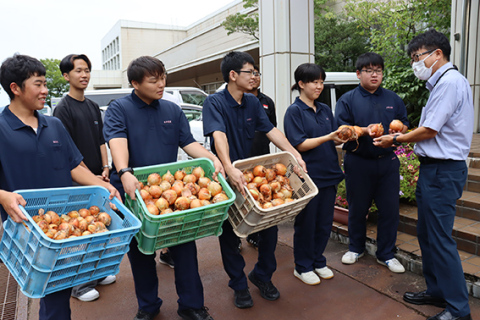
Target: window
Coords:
[(193, 97)]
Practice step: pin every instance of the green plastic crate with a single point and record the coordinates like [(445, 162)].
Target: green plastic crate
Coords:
[(175, 228)]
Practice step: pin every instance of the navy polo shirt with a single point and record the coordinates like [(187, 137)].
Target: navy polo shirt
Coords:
[(362, 108), (30, 160), (238, 121), (301, 123), (154, 132)]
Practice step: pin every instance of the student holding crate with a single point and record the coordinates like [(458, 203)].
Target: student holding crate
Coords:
[(37, 152)]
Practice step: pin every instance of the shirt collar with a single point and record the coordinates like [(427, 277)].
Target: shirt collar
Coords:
[(434, 78), (366, 93), (15, 123), (304, 106), (231, 102), (139, 103)]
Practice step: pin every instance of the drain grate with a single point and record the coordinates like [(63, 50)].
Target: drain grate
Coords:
[(8, 292)]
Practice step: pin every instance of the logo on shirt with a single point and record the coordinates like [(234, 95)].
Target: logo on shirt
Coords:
[(327, 119), (55, 141), (265, 106), (167, 121), (249, 119), (389, 107)]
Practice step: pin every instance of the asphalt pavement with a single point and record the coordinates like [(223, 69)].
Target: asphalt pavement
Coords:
[(363, 291)]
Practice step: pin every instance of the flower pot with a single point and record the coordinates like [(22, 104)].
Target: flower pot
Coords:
[(340, 215)]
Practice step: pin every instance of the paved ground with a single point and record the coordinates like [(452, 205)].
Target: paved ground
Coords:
[(362, 291)]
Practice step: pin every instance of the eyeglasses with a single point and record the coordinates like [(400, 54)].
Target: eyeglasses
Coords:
[(251, 72), (416, 57), (370, 71)]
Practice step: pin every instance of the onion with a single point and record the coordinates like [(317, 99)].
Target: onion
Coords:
[(214, 188), (190, 178), (277, 202), (64, 226), (165, 185), (162, 204), (254, 192), (259, 171), (186, 192), (178, 187), (266, 190), (203, 182), (276, 186), (60, 235), (94, 210), (145, 195), (154, 179), (345, 132), (43, 225), (86, 233), (141, 184), (194, 188), (248, 176), (260, 181), (219, 198), (204, 194), (170, 196), (376, 129), (82, 225), (90, 219), (358, 131), (105, 218), (76, 233), (289, 200), (270, 175), (152, 209), (198, 172), (73, 214), (179, 175), (182, 203), (252, 185), (196, 203), (287, 193), (168, 210), (396, 125), (267, 205), (278, 195), (74, 222), (84, 212), (205, 203), (50, 233), (150, 201), (168, 177), (155, 191), (280, 169)]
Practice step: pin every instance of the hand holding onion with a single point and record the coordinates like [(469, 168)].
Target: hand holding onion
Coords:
[(385, 141), (375, 130)]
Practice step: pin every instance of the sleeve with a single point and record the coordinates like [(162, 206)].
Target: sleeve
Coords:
[(444, 99), (273, 115), (293, 126), (212, 116), (262, 123), (114, 125), (185, 133), (61, 112), (343, 113)]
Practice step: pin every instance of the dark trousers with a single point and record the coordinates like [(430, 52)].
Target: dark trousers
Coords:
[(234, 263), (378, 180), (438, 188), (313, 226), (56, 306), (187, 279)]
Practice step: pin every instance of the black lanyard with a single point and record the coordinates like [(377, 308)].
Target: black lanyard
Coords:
[(452, 68)]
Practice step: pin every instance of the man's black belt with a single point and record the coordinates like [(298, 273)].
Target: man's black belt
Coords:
[(427, 160)]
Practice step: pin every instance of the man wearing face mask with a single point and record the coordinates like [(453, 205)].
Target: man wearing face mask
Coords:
[(443, 140)]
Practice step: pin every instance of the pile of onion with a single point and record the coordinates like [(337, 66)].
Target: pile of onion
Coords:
[(73, 224), (269, 187), (180, 191)]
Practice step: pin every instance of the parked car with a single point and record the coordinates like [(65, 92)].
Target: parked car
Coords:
[(189, 95)]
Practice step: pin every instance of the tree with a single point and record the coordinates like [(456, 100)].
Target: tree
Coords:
[(243, 22), (56, 84), (390, 25)]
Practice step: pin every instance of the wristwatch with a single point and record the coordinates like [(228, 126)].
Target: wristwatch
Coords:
[(122, 171), (395, 142)]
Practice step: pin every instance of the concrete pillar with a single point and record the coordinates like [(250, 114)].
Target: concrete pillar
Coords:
[(286, 41), (465, 35)]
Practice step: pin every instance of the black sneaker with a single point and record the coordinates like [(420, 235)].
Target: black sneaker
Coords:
[(143, 315), (252, 239), (239, 245), (267, 289), (243, 299), (166, 259), (194, 314)]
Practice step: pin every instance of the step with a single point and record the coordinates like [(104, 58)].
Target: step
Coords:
[(468, 206), (473, 180)]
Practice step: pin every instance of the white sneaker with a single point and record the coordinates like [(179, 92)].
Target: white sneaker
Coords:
[(393, 265), (351, 257), (324, 273), (309, 278), (108, 280), (89, 296)]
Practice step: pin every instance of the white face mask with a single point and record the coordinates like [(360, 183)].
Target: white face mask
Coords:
[(421, 71)]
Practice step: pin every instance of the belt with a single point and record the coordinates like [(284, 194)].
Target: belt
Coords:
[(427, 160)]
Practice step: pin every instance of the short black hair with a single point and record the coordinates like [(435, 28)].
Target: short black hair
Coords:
[(369, 59), (430, 40), (18, 69), (234, 61), (67, 63), (308, 72), (144, 66), (255, 67)]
